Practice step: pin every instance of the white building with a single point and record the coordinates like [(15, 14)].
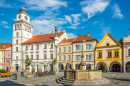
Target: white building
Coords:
[(39, 48)]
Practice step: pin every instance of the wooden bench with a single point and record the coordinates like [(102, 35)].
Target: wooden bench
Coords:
[(5, 74)]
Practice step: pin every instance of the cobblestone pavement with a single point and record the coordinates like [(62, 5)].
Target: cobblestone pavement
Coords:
[(116, 79)]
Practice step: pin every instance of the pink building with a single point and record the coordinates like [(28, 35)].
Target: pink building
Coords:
[(5, 56), (126, 53)]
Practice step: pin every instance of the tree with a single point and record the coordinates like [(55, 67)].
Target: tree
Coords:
[(28, 61), (54, 62), (121, 41)]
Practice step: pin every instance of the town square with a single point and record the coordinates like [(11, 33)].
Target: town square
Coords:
[(64, 43)]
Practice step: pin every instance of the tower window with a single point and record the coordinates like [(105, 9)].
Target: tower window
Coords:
[(16, 48), (17, 41), (17, 34)]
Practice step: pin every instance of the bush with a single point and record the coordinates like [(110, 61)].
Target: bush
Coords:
[(105, 71), (29, 74), (33, 70), (3, 71)]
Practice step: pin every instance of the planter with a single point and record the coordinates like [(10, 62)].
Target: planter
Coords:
[(29, 76)]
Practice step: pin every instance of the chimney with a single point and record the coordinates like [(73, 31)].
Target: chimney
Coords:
[(64, 31), (64, 39), (125, 35), (41, 33), (49, 33), (87, 33), (52, 32)]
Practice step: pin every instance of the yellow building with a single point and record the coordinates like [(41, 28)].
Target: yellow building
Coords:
[(64, 55), (108, 54)]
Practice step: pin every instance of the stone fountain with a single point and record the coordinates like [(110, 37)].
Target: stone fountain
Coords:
[(83, 74)]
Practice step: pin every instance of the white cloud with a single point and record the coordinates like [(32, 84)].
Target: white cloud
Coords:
[(71, 35), (105, 30), (4, 22), (2, 14), (91, 7), (4, 4), (5, 26), (76, 17), (72, 27), (68, 18), (44, 4), (117, 13)]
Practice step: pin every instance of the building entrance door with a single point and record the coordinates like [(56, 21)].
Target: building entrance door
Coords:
[(101, 67), (116, 68)]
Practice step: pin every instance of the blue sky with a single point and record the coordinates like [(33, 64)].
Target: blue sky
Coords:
[(77, 17)]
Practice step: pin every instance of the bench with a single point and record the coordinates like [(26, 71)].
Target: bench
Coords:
[(5, 74)]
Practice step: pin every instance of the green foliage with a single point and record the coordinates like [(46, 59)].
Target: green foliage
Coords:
[(105, 71), (28, 61), (33, 70), (121, 41), (3, 71), (54, 61), (29, 74)]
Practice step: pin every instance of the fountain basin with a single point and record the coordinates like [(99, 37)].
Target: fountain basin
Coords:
[(83, 74)]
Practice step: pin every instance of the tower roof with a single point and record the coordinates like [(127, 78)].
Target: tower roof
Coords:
[(23, 9)]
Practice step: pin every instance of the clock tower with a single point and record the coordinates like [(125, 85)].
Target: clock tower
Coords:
[(22, 31)]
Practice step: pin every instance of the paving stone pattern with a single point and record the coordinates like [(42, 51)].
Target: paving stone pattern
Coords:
[(116, 79)]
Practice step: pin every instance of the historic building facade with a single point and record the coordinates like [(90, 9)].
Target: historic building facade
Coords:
[(5, 56), (64, 55), (88, 44), (108, 54), (126, 53), (39, 48)]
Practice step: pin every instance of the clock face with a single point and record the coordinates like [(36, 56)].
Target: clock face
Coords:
[(26, 18), (19, 16)]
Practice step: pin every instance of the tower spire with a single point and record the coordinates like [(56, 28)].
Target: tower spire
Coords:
[(56, 30)]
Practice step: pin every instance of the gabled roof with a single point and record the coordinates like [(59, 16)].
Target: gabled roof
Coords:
[(67, 40), (108, 34), (5, 45), (81, 38), (42, 38)]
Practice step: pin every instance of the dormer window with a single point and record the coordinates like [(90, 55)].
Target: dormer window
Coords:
[(107, 44)]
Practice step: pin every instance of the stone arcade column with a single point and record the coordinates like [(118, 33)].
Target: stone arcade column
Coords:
[(30, 68), (42, 68), (35, 68)]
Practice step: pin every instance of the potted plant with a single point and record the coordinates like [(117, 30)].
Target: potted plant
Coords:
[(54, 63), (33, 70), (28, 63)]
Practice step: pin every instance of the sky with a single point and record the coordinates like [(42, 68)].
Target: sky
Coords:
[(77, 17)]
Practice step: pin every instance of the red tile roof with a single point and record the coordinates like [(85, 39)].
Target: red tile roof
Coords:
[(5, 45), (67, 40), (81, 38), (42, 38)]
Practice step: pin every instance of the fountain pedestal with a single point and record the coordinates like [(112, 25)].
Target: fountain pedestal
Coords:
[(83, 74)]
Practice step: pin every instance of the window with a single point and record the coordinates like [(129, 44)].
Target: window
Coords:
[(64, 57), (59, 50), (1, 52), (27, 57), (16, 48), (116, 53), (109, 54), (31, 57), (17, 34), (107, 44), (31, 47), (9, 55), (77, 57), (100, 54), (128, 52), (88, 46), (37, 47), (51, 56), (69, 57), (16, 57), (37, 56), (69, 49), (64, 49), (7, 61), (17, 41), (26, 47), (59, 58), (44, 56), (88, 57), (51, 46), (78, 47), (45, 46), (1, 59)]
